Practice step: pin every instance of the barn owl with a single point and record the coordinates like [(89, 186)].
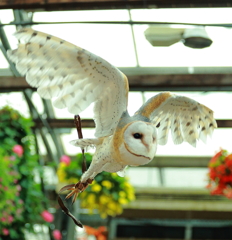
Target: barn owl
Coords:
[(74, 78)]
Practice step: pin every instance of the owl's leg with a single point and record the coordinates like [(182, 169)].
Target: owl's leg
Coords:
[(82, 143)]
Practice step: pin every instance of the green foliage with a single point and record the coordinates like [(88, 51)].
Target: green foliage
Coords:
[(21, 197)]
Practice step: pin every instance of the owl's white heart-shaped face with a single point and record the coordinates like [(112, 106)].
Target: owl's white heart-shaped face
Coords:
[(140, 141)]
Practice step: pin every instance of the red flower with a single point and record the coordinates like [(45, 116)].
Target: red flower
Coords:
[(229, 157), (57, 234), (217, 191), (221, 169), (228, 193), (216, 156), (47, 216), (212, 174), (224, 179), (228, 162)]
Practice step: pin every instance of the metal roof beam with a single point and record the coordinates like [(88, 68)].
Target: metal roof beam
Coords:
[(170, 82), (88, 123), (51, 5)]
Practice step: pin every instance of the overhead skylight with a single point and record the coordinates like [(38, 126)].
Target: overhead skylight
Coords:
[(111, 42), (75, 16), (183, 15), (15, 100), (3, 61), (179, 55), (6, 16), (114, 42)]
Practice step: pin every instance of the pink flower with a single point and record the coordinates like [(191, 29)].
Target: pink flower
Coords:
[(10, 219), (65, 159), (47, 216), (12, 158), (5, 231), (19, 211), (18, 149), (57, 234), (19, 188)]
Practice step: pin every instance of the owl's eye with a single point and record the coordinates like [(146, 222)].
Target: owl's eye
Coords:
[(137, 135)]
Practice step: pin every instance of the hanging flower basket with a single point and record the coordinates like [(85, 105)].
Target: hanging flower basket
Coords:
[(107, 193), (220, 174), (22, 201)]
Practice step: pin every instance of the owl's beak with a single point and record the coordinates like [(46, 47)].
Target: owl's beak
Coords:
[(151, 154), (151, 148)]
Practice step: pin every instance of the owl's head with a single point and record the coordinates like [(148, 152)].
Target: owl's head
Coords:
[(140, 140)]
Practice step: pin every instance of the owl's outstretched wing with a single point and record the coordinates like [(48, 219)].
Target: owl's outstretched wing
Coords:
[(187, 119), (72, 75)]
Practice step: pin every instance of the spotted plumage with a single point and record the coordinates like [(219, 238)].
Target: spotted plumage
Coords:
[(75, 78)]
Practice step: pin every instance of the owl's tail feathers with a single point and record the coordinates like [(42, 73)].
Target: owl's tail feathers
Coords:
[(86, 142)]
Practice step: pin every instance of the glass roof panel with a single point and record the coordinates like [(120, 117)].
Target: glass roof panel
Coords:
[(185, 177), (172, 177), (179, 55), (148, 177), (37, 101), (9, 31), (41, 145), (111, 42), (3, 61), (183, 15), (15, 100), (71, 16), (6, 16)]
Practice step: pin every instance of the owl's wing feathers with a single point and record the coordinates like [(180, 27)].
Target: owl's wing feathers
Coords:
[(188, 120), (86, 142), (72, 75)]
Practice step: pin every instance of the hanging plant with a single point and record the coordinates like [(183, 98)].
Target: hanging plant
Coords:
[(21, 197), (108, 192), (220, 174)]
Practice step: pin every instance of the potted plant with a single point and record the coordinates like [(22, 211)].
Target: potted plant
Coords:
[(220, 174), (108, 192)]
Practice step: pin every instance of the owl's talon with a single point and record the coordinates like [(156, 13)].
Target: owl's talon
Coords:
[(76, 189)]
